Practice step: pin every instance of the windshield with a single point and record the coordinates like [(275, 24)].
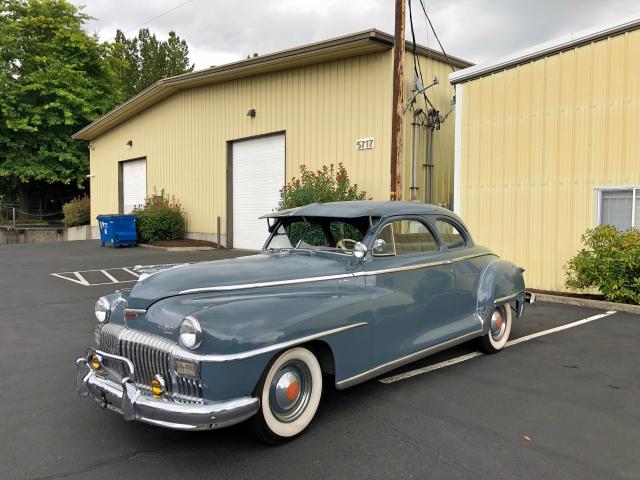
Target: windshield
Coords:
[(319, 233)]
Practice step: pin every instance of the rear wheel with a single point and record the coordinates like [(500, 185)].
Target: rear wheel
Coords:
[(499, 329), (290, 394)]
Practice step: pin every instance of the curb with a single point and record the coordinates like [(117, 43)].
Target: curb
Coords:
[(176, 249), (584, 302)]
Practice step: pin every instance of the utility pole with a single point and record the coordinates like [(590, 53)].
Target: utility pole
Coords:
[(398, 101)]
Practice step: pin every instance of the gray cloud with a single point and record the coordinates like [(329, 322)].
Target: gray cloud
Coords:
[(220, 31)]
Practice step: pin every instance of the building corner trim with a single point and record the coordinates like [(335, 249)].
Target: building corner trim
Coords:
[(457, 163)]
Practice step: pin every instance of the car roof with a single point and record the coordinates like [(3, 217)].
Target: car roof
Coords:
[(361, 208)]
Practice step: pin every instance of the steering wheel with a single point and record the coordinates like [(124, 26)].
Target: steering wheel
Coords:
[(342, 244)]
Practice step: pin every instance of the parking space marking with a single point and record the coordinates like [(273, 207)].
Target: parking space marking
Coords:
[(112, 276), (469, 356)]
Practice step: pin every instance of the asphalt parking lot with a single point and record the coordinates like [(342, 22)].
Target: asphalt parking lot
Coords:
[(562, 405)]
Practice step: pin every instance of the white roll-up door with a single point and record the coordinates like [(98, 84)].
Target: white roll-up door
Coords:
[(134, 184), (258, 176)]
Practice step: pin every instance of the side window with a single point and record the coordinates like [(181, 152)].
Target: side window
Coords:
[(450, 235), (404, 237)]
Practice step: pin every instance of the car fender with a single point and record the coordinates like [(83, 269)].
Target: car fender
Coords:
[(501, 283)]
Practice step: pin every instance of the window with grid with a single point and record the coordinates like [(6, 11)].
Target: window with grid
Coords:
[(619, 207)]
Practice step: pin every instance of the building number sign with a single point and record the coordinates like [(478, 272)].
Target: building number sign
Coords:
[(365, 144)]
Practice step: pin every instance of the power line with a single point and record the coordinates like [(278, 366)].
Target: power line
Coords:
[(416, 63), (113, 38), (436, 35)]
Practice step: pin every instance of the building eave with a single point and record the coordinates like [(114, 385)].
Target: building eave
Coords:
[(545, 49), (361, 43)]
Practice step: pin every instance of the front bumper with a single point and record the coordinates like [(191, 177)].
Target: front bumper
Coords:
[(125, 397)]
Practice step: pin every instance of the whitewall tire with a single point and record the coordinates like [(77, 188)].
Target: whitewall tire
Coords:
[(289, 393), (499, 329)]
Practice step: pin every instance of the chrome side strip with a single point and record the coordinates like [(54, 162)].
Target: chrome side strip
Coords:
[(226, 288), (386, 367), (295, 281), (180, 353), (507, 297)]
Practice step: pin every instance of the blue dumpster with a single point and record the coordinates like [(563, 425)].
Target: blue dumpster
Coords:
[(117, 230)]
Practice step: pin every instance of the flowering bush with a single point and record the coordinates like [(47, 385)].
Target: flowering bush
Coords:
[(322, 186), (77, 211), (611, 263), (160, 218)]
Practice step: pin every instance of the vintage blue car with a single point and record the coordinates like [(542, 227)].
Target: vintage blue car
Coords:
[(346, 291)]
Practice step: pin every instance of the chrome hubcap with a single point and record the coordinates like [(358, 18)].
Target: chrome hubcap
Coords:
[(498, 325), (290, 391)]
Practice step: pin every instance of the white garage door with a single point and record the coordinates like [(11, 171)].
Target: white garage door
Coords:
[(258, 176), (134, 184)]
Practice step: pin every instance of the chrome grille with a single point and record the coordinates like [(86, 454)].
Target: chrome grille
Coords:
[(150, 354)]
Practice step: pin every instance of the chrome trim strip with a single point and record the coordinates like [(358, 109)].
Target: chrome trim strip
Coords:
[(507, 297), (386, 367), (275, 283), (183, 354), (139, 311), (296, 281)]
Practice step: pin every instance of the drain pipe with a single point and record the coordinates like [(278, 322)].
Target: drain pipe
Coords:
[(414, 173), (429, 167)]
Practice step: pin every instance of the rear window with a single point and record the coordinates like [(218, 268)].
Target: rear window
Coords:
[(450, 234)]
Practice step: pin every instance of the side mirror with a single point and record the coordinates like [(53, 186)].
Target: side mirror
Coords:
[(360, 251), (379, 246)]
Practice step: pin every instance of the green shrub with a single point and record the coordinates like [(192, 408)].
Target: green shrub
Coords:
[(161, 218), (322, 186), (610, 262), (77, 212)]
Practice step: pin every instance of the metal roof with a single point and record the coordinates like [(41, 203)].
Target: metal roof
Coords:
[(360, 43), (545, 49), (361, 208)]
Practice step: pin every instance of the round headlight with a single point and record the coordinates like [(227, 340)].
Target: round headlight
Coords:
[(103, 310), (190, 333)]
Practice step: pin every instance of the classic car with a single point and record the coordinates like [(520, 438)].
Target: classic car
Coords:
[(343, 291)]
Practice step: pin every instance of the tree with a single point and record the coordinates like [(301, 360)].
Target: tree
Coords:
[(54, 80), (141, 61)]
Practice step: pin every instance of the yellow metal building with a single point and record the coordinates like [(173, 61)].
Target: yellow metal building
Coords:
[(548, 145), (215, 137)]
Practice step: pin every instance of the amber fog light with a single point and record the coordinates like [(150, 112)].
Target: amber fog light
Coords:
[(96, 361), (158, 385)]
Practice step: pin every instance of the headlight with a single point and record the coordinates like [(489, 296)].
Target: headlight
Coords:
[(190, 333), (103, 310)]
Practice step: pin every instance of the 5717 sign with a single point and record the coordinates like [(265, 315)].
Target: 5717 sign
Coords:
[(365, 144)]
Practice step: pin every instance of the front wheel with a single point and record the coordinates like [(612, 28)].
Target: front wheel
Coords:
[(499, 329), (289, 396)]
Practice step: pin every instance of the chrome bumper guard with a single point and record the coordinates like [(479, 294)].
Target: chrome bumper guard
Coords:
[(125, 397)]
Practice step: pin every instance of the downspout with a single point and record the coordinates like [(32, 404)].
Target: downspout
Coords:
[(428, 181), (414, 172)]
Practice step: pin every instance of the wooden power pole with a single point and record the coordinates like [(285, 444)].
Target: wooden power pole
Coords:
[(398, 102)]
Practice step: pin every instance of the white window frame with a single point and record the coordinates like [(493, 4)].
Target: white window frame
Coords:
[(612, 188)]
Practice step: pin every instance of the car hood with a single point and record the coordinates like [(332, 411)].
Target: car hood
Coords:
[(236, 272)]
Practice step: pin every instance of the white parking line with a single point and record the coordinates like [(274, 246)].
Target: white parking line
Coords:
[(469, 356), (108, 276)]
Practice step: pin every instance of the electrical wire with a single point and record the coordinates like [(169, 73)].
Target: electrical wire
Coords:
[(111, 39), (416, 61), (424, 9)]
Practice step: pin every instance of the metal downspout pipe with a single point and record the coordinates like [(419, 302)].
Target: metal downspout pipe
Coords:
[(414, 172)]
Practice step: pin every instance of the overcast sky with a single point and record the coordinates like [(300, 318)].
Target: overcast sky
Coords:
[(222, 31)]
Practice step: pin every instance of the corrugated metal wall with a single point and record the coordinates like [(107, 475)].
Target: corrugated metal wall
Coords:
[(537, 139), (441, 96), (322, 108)]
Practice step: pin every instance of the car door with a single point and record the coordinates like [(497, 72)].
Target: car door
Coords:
[(467, 269), (410, 277)]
